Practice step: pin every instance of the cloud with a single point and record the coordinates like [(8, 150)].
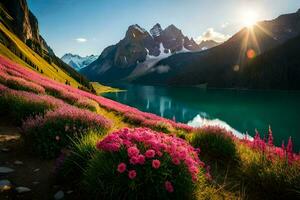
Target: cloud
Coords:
[(81, 40), (225, 24), (210, 34)]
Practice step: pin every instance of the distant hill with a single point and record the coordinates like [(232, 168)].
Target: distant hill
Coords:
[(222, 65), (137, 52), (21, 41), (78, 62)]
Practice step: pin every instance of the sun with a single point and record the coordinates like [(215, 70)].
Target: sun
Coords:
[(249, 18)]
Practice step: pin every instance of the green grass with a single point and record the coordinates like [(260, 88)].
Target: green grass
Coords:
[(81, 151)]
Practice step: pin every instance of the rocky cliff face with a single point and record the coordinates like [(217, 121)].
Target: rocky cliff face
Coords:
[(17, 17), (137, 47), (25, 25)]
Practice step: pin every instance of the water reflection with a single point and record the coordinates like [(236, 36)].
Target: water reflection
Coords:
[(242, 110)]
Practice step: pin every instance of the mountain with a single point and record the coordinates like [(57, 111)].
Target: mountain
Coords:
[(278, 68), (78, 62), (207, 44), (21, 41), (222, 65), (137, 52)]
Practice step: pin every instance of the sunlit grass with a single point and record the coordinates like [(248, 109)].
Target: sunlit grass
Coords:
[(52, 71), (100, 89)]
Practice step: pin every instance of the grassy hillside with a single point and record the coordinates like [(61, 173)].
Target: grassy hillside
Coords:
[(29, 58)]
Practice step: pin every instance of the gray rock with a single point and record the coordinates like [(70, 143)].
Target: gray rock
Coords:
[(6, 170), (5, 149), (18, 162), (22, 189), (35, 182), (59, 195), (5, 185), (36, 170), (69, 191)]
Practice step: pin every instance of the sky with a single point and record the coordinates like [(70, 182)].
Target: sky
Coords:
[(86, 27)]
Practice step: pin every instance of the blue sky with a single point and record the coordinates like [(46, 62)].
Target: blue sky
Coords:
[(86, 27)]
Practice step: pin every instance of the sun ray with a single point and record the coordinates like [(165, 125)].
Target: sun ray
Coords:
[(265, 31)]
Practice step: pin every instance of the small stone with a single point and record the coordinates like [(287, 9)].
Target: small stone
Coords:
[(5, 149), (69, 191), (6, 170), (35, 182), (5, 185), (22, 189), (36, 170), (59, 195), (18, 162)]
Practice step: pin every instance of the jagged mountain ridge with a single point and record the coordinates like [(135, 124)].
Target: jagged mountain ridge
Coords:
[(137, 52), (222, 65), (78, 62)]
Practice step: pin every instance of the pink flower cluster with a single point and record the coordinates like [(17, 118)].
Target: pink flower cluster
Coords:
[(31, 97), (88, 118), (17, 81), (266, 147), (3, 88), (144, 145), (71, 94)]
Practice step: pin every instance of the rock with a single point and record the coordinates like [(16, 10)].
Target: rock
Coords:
[(59, 195), (69, 191), (18, 162), (5, 149), (6, 170), (36, 170), (5, 185), (22, 189), (35, 182)]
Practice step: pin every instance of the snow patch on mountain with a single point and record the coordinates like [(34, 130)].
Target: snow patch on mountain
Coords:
[(147, 65)]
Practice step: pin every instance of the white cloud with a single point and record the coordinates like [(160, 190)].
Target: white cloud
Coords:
[(81, 40), (210, 34), (225, 24)]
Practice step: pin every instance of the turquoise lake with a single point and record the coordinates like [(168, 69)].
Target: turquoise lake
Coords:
[(243, 110)]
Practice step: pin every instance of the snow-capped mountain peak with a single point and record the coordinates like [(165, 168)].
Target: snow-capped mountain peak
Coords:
[(78, 62), (156, 30)]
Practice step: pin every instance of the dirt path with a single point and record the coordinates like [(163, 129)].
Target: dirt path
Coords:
[(29, 170)]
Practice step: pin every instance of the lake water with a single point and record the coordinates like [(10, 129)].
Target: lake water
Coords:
[(241, 110)]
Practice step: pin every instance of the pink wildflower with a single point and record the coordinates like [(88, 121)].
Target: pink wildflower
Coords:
[(169, 186), (132, 174), (150, 153), (122, 167), (155, 164), (176, 161), (134, 160), (270, 138), (133, 151), (141, 159)]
